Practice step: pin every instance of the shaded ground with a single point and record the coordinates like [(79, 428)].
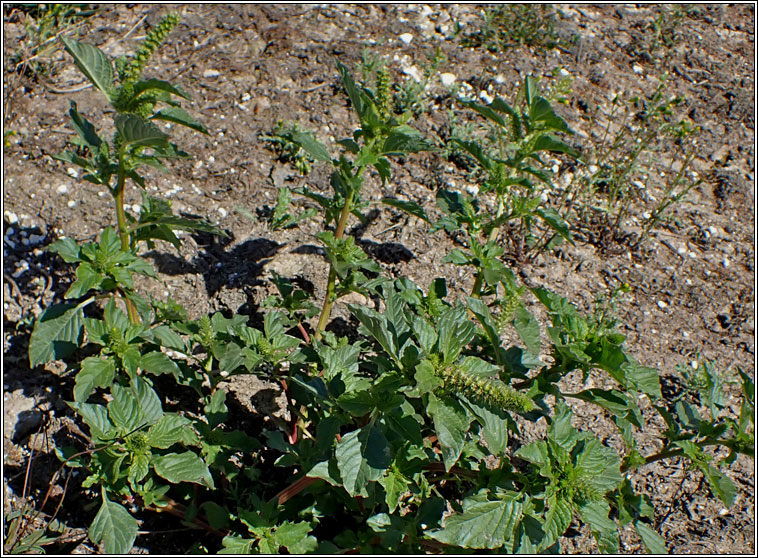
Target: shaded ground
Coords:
[(248, 67)]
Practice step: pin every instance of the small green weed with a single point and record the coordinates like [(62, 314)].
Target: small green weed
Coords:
[(514, 24)]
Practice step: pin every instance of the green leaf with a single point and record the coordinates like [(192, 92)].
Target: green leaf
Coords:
[(546, 142), (183, 467), (96, 417), (179, 116), (85, 129), (86, 278), (362, 456), (482, 524), (295, 538), (153, 84), (451, 423), (541, 111), (93, 63), (352, 91), (137, 132), (528, 329), (653, 542), (95, 372), (596, 515), (57, 333), (494, 427), (169, 430), (395, 485), (404, 139), (157, 362), (114, 528), (408, 206), (487, 112), (236, 545), (557, 519), (311, 145)]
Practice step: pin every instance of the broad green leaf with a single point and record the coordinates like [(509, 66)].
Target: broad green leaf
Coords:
[(546, 142), (596, 515), (114, 528), (482, 524), (557, 518), (137, 132), (487, 112), (451, 422), (643, 378), (86, 278), (395, 485), (183, 467), (528, 329), (555, 221), (57, 333), (95, 372), (311, 145), (68, 249), (455, 332), (93, 63), (147, 400), (157, 362), (96, 417), (541, 111), (654, 543), (352, 91), (295, 538), (494, 428), (179, 116), (169, 430), (153, 84), (236, 545), (408, 206), (362, 456), (376, 324), (123, 409), (404, 139), (85, 129)]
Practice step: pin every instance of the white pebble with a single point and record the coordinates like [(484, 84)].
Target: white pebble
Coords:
[(101, 194), (661, 304), (637, 69), (72, 172), (694, 364), (12, 217), (211, 159), (556, 169), (406, 38), (593, 169), (726, 262), (62, 189), (222, 211), (71, 203), (211, 73), (486, 97), (137, 208), (563, 72), (447, 79)]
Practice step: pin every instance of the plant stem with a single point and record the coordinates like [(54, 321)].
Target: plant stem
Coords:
[(123, 233), (332, 280)]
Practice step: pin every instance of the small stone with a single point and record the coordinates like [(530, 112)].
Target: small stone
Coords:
[(486, 97), (71, 203), (661, 304), (447, 79), (222, 211), (12, 217), (406, 38), (62, 189), (726, 262), (637, 69), (563, 72), (211, 73), (72, 172)]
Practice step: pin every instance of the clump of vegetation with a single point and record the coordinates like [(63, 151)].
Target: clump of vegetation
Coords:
[(512, 25), (405, 439)]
